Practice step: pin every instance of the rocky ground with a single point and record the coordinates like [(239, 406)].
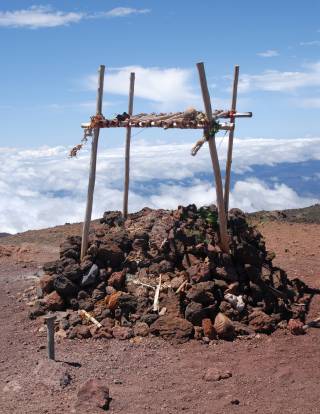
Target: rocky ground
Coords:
[(254, 373)]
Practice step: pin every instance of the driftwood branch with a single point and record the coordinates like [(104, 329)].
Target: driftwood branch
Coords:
[(214, 159), (127, 151), (93, 163), (230, 141)]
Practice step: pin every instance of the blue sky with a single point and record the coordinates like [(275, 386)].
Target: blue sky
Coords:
[(50, 55), (43, 77)]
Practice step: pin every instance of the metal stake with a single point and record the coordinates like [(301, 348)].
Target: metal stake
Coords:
[(49, 320)]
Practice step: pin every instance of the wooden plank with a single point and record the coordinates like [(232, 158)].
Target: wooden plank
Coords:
[(127, 150), (230, 142), (93, 164), (215, 161)]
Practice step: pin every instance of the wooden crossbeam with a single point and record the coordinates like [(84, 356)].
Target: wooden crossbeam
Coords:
[(180, 120)]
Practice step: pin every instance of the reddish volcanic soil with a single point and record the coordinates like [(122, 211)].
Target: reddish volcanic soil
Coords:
[(270, 374)]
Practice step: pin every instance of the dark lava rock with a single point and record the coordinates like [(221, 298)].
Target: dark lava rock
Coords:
[(65, 287), (91, 277), (202, 292), (149, 318), (110, 255), (72, 272)]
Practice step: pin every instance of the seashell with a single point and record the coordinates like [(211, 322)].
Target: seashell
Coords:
[(223, 326)]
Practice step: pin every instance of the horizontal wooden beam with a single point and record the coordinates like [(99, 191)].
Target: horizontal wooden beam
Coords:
[(174, 125)]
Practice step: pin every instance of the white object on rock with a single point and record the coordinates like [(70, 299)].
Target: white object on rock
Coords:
[(235, 301)]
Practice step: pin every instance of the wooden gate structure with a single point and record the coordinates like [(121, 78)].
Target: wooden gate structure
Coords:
[(208, 121)]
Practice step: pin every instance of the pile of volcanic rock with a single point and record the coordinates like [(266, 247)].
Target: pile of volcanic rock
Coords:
[(202, 292)]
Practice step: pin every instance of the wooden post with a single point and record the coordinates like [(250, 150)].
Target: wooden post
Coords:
[(93, 163), (127, 154), (214, 159), (230, 142)]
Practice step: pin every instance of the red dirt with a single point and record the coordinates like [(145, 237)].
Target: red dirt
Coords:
[(270, 374)]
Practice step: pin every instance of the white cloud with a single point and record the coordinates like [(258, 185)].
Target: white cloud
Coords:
[(36, 17), (311, 43), (268, 53), (43, 187), (170, 86), (274, 80), (309, 102), (125, 11)]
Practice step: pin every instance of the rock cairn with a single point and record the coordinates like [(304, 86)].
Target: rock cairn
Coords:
[(173, 256)]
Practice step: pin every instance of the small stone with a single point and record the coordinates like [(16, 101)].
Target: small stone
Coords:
[(117, 280), (46, 283), (214, 374), (198, 332), (113, 300), (261, 322), (53, 301), (149, 318), (65, 380), (79, 331), (208, 329), (141, 329), (92, 395), (122, 332), (296, 327), (107, 323)]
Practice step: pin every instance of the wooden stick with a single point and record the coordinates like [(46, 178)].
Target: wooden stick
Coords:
[(230, 142), (156, 296), (85, 315), (93, 163), (181, 286), (127, 154), (214, 159)]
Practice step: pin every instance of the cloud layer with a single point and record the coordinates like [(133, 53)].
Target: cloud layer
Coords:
[(37, 17), (277, 81), (169, 86), (42, 187)]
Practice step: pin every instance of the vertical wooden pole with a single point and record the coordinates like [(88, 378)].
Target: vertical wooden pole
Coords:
[(214, 159), (230, 142), (93, 163), (127, 154)]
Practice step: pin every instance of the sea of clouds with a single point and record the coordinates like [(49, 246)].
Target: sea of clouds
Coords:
[(43, 187)]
